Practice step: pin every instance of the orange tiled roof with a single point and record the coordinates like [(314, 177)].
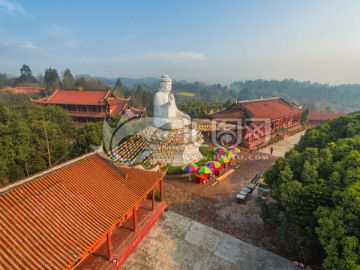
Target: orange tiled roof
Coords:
[(51, 220), (75, 97), (272, 108), (323, 116), (132, 112), (229, 113), (116, 101), (120, 107)]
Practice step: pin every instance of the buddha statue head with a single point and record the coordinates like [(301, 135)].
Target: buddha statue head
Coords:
[(165, 83)]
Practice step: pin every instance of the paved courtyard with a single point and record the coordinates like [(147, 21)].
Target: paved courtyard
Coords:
[(176, 242), (283, 146)]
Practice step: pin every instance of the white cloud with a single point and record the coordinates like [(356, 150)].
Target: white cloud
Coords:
[(159, 57), (25, 45), (21, 49), (129, 37), (11, 8), (62, 35), (71, 43), (57, 31), (176, 56)]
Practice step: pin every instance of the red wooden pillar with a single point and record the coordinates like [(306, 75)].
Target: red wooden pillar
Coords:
[(110, 255), (153, 199), (135, 219), (161, 190)]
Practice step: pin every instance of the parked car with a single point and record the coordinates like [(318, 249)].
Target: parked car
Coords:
[(240, 197)]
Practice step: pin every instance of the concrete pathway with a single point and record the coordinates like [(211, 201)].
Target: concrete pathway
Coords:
[(281, 147), (176, 242)]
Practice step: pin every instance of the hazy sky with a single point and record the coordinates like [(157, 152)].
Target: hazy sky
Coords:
[(212, 41)]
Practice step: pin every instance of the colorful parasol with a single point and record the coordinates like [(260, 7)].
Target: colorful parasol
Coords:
[(190, 168), (234, 149), (213, 164), (204, 170), (220, 150), (230, 155), (224, 159)]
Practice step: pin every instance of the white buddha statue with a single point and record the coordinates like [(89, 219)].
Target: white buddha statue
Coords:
[(166, 114)]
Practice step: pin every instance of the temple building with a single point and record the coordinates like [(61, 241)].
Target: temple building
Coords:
[(86, 213), (316, 118), (260, 120), (91, 106)]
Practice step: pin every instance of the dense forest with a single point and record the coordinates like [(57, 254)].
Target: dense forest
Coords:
[(318, 97), (340, 98), (33, 138), (315, 191)]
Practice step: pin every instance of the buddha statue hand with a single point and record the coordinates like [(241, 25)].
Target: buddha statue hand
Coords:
[(171, 98)]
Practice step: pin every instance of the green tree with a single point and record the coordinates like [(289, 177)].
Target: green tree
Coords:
[(339, 230), (51, 79), (26, 72), (33, 138), (91, 84), (6, 80), (68, 81), (80, 82), (14, 144), (53, 132), (199, 109), (316, 195), (305, 116), (140, 98), (118, 89), (87, 137), (15, 172)]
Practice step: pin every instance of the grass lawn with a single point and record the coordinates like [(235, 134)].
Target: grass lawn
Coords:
[(186, 94)]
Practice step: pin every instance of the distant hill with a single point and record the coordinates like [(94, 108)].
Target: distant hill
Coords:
[(319, 97), (343, 98), (128, 82)]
